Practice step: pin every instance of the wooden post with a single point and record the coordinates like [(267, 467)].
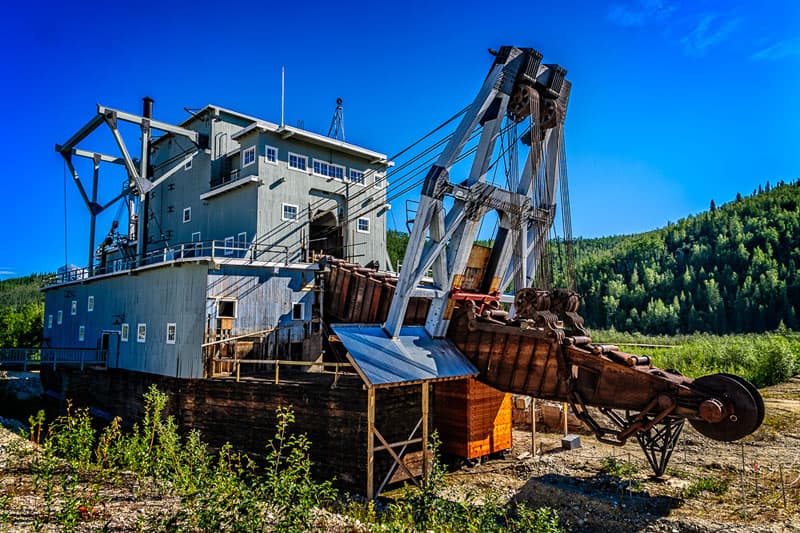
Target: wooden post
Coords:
[(566, 426), (533, 427), (277, 371), (425, 396), (370, 441), (238, 370)]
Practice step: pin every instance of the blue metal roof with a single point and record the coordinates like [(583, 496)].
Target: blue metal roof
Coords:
[(411, 357)]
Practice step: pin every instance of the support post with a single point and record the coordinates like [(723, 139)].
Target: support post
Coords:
[(370, 441), (533, 427), (93, 214), (144, 164), (425, 397), (566, 426)]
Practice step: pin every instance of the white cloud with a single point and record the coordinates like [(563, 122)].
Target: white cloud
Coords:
[(709, 31), (7, 273), (779, 50), (639, 13)]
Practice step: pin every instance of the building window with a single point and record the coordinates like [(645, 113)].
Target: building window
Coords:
[(298, 162), (141, 332), (123, 332), (81, 333), (362, 225), (241, 242), (356, 176), (271, 154), (321, 168), (90, 304), (171, 332), (198, 245), (187, 166), (228, 245), (298, 311), (49, 321), (73, 310), (378, 181), (187, 215), (289, 212), (60, 317), (226, 309), (249, 156)]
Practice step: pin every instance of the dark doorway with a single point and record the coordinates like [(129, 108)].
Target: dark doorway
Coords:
[(325, 236)]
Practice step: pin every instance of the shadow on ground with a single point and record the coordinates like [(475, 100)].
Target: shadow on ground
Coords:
[(598, 503)]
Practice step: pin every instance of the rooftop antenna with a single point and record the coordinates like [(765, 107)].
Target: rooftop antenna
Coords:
[(337, 122), (283, 94)]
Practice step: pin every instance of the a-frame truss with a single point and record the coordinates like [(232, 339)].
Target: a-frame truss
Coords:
[(521, 88)]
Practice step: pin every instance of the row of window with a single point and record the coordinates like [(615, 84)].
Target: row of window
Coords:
[(300, 162), (290, 212), (141, 332)]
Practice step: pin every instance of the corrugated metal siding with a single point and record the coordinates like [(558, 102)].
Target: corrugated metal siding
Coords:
[(154, 297)]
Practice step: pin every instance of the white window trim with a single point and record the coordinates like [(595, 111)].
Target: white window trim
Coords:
[(141, 327), (241, 241), (228, 245), (187, 211), (359, 230), (81, 333), (188, 164), (124, 332), (289, 161), (49, 321), (245, 152), (332, 165), (302, 310), (235, 307), (378, 181), (296, 212), (175, 332), (196, 236), (73, 308), (60, 319), (363, 177), (267, 148), (90, 304)]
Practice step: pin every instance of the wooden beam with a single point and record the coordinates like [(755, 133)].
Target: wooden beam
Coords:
[(425, 396), (370, 441), (396, 457)]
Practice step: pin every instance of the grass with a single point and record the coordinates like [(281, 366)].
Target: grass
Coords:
[(226, 490), (764, 359), (706, 484), (616, 467)]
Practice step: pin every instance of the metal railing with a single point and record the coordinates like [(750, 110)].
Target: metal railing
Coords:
[(224, 179), (26, 358), (216, 249)]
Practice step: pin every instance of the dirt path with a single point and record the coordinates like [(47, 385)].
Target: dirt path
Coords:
[(594, 489)]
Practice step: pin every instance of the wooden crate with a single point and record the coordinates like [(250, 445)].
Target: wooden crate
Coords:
[(473, 419)]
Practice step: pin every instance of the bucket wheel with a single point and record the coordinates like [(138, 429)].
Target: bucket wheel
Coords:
[(739, 403)]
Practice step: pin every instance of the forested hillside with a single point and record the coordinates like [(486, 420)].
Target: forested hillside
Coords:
[(730, 269), (21, 311)]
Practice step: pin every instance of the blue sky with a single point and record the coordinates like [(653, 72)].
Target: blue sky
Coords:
[(673, 103)]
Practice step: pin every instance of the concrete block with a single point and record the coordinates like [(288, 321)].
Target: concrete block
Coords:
[(570, 442)]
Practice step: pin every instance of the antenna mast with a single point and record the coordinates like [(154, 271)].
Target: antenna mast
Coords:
[(337, 122)]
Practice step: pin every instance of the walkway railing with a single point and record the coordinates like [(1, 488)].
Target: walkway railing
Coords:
[(28, 358)]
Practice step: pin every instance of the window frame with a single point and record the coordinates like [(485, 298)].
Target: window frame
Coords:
[(60, 317), (235, 303), (267, 148), (73, 308), (302, 307), (174, 327), (363, 181), (245, 152), (187, 211), (188, 164), (299, 157), (141, 332), (329, 166), (124, 332), (50, 321), (81, 333), (284, 205), (358, 225), (228, 244), (90, 304)]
